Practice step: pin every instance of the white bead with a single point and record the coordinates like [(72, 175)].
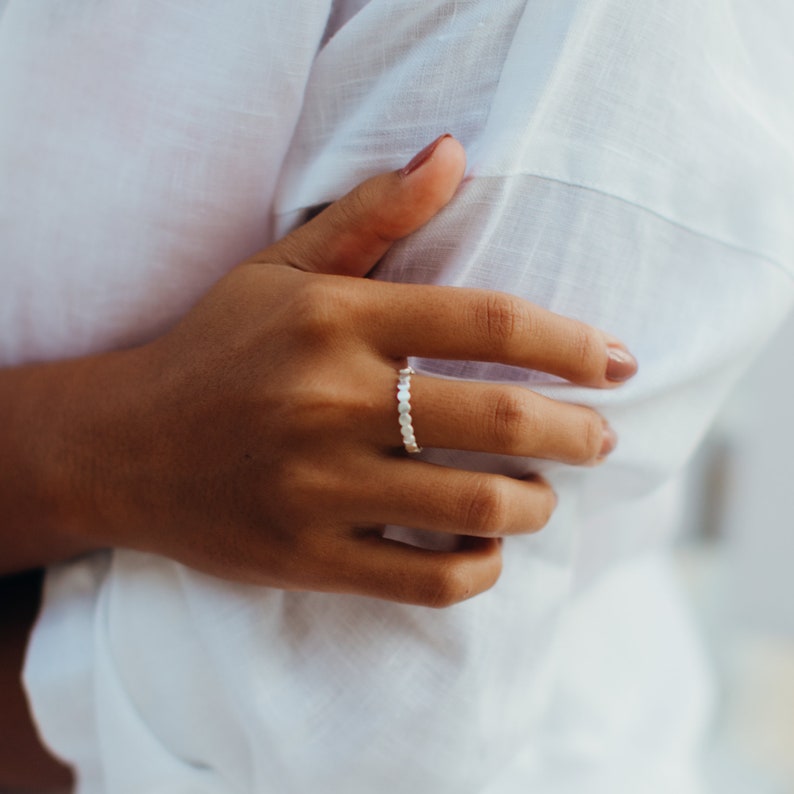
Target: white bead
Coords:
[(404, 410)]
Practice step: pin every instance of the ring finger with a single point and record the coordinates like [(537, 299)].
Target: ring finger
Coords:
[(501, 419)]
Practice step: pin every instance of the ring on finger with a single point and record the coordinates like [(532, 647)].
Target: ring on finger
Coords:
[(404, 410)]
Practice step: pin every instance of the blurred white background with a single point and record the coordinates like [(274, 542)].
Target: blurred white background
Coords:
[(738, 560)]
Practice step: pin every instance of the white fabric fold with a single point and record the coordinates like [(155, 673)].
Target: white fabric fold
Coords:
[(630, 164)]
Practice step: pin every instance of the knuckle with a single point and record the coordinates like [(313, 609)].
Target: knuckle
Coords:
[(313, 308), (318, 310), (311, 413), (511, 419), (353, 206), (500, 317), (449, 585), (546, 507), (592, 436), (495, 571), (586, 438), (587, 351), (296, 482), (365, 205), (484, 507)]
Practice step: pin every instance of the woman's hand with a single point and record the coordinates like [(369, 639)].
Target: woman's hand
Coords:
[(258, 440)]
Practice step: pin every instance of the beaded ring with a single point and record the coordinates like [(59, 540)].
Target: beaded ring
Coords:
[(404, 410)]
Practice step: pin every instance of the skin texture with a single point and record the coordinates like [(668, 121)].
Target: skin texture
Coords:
[(258, 439)]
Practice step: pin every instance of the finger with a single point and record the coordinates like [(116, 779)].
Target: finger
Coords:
[(352, 234), (382, 568), (506, 420), (469, 324), (416, 494)]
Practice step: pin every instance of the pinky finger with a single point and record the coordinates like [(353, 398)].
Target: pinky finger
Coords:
[(394, 571)]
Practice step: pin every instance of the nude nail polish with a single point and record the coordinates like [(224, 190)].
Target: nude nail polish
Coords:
[(621, 365), (420, 159)]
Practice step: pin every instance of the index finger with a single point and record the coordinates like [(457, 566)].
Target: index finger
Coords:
[(480, 325)]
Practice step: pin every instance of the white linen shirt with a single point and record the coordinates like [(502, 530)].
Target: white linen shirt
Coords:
[(630, 164)]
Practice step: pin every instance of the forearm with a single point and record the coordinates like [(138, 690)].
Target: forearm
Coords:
[(48, 460)]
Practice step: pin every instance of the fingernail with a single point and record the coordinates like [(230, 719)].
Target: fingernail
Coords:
[(621, 365), (609, 443), (420, 159)]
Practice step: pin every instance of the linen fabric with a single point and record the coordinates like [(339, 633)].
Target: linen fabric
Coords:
[(630, 164)]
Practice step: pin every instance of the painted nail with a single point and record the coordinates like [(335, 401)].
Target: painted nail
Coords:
[(609, 443), (420, 159), (621, 365)]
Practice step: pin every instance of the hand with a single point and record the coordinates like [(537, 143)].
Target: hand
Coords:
[(258, 440)]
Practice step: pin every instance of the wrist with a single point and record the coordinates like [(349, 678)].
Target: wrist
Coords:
[(55, 457), (92, 471)]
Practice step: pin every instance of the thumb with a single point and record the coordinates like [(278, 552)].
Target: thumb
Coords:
[(352, 234)]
